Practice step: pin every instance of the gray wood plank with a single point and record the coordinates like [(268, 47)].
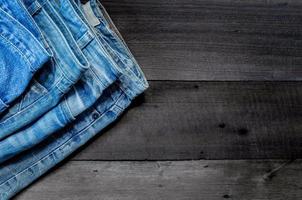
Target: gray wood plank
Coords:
[(182, 180), (213, 40), (206, 120)]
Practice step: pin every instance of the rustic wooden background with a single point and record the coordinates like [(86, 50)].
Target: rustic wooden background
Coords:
[(222, 118)]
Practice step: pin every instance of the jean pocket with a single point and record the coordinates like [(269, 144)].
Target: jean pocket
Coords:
[(34, 92)]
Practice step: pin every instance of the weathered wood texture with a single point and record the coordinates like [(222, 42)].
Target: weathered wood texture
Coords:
[(207, 120), (213, 40), (182, 180)]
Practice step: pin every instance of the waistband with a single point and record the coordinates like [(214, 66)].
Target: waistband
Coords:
[(101, 63), (131, 75), (33, 5), (100, 12), (72, 60), (24, 41), (133, 80), (84, 37)]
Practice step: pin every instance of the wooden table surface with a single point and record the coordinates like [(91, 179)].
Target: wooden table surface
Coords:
[(222, 118)]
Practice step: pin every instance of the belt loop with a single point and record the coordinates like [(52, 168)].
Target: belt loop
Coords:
[(85, 39), (34, 7)]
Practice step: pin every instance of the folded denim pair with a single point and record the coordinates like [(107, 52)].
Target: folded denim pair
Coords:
[(21, 56), (104, 90)]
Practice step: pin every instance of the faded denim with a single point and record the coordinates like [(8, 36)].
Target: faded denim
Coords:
[(107, 31), (53, 81), (99, 76), (21, 171), (18, 11), (29, 166), (21, 55)]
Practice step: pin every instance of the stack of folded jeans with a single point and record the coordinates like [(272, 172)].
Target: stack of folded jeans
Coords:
[(66, 73)]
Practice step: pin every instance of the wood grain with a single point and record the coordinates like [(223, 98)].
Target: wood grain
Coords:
[(212, 40), (207, 120), (182, 180)]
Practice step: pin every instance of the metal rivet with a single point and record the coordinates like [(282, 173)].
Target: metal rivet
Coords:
[(95, 115)]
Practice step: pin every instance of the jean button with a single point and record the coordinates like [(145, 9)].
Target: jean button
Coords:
[(95, 115)]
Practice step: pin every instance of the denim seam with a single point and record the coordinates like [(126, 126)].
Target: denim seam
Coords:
[(31, 105), (57, 85), (29, 17), (28, 54), (39, 45), (36, 26), (127, 69), (34, 7), (63, 71), (22, 100), (97, 6), (20, 104), (115, 68), (69, 75), (109, 47), (141, 81), (90, 28), (96, 32), (4, 104), (66, 109), (78, 63), (118, 69), (24, 110), (82, 17), (100, 8), (66, 142), (97, 77), (25, 49), (119, 107), (75, 51), (129, 93), (5, 8), (85, 39), (18, 50)]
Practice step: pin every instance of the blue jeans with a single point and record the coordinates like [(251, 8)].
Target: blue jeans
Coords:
[(21, 55), (52, 81), (17, 10), (19, 172), (24, 169), (108, 34), (99, 76)]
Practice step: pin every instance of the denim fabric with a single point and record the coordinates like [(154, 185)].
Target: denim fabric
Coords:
[(108, 34), (29, 166), (98, 77), (53, 81), (18, 11), (21, 55), (82, 96), (21, 171), (94, 50)]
